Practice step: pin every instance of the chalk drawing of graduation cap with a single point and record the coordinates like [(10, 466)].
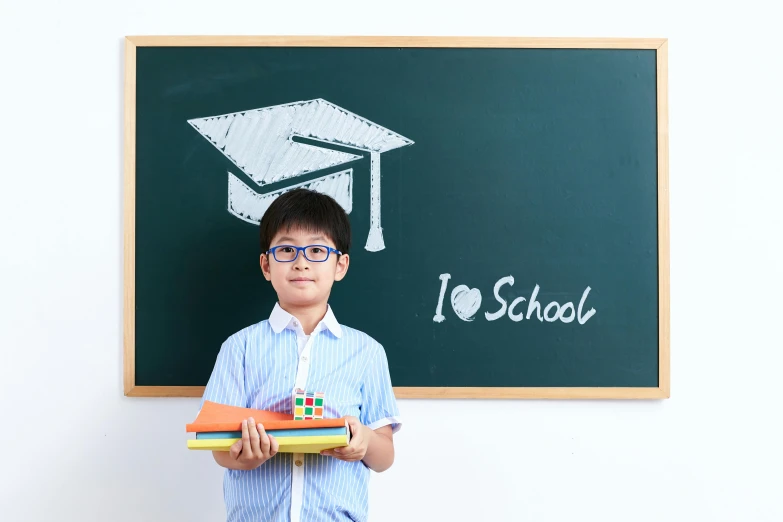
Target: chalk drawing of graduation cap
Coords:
[(283, 144)]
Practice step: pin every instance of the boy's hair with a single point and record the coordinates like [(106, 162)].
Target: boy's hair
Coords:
[(309, 210)]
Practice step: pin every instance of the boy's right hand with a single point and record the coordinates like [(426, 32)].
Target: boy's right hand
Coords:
[(255, 447)]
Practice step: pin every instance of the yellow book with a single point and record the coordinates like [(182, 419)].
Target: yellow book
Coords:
[(312, 444)]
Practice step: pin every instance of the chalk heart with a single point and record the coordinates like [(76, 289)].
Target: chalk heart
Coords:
[(465, 301)]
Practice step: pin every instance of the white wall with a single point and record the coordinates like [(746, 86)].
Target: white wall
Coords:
[(76, 449)]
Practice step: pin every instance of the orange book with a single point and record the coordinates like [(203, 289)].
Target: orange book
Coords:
[(220, 417)]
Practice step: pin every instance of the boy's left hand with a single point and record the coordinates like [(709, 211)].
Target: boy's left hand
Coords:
[(357, 448)]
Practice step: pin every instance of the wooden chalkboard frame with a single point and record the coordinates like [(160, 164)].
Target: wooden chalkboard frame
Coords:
[(658, 44)]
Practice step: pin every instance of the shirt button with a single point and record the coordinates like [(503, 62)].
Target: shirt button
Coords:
[(298, 463), (304, 359), (296, 323)]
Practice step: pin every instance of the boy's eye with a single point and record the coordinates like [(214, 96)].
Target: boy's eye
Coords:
[(317, 250), (287, 249)]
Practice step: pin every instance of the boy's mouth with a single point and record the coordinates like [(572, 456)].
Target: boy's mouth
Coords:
[(301, 280)]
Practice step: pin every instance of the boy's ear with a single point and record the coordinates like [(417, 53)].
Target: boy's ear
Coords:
[(342, 267), (264, 262)]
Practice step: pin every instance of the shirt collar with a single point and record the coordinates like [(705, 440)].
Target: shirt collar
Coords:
[(279, 320)]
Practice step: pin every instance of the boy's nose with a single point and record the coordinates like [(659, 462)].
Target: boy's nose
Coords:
[(300, 263)]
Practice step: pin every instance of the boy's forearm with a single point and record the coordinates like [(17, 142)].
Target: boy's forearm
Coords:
[(224, 459), (380, 450)]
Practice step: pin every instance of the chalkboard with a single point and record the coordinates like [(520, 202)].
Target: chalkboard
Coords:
[(508, 199)]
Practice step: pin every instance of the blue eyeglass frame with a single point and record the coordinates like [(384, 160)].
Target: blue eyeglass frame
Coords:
[(328, 249)]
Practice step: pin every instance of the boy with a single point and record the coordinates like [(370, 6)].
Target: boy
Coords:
[(305, 240)]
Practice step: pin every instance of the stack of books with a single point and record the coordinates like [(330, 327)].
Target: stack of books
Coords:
[(218, 426)]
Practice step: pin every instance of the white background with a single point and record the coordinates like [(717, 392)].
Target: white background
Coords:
[(75, 449)]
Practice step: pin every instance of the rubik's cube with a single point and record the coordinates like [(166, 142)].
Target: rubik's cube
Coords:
[(308, 405)]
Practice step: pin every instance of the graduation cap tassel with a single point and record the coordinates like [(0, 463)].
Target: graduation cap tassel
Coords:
[(375, 237)]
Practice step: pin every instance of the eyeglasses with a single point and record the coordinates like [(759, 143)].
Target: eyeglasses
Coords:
[(313, 253)]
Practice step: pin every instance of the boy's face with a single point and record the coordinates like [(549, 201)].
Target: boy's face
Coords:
[(303, 283)]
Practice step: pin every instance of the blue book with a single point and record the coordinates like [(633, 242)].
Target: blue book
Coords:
[(304, 432)]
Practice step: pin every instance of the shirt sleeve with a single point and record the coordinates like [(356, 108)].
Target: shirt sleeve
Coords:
[(379, 405), (226, 384)]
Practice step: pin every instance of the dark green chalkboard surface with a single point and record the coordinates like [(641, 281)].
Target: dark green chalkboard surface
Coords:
[(508, 199)]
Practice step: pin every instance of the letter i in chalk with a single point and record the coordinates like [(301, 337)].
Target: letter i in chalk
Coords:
[(308, 405)]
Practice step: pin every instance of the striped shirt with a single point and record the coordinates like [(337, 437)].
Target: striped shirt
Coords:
[(260, 367)]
